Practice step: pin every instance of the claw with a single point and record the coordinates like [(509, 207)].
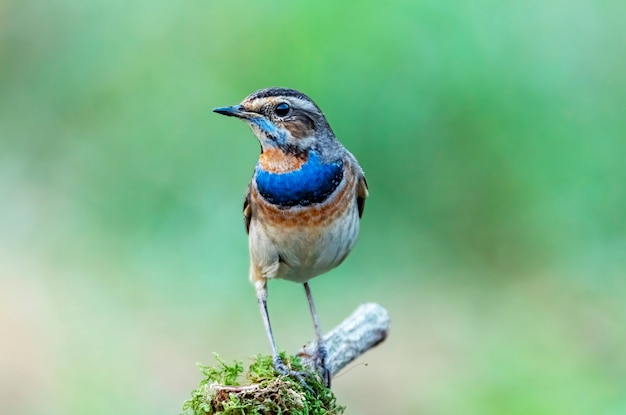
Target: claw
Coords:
[(322, 355), (282, 369)]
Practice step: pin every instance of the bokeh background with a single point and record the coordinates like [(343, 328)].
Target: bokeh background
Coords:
[(493, 135)]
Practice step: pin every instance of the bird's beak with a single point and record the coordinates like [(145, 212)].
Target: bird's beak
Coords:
[(234, 111)]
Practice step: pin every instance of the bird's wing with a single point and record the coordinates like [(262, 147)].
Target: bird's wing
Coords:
[(361, 193), (247, 211)]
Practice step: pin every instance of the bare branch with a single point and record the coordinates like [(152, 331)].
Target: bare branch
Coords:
[(365, 328)]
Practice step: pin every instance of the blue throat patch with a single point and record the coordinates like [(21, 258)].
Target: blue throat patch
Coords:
[(269, 128), (311, 184)]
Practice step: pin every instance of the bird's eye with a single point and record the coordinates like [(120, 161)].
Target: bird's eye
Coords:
[(282, 109)]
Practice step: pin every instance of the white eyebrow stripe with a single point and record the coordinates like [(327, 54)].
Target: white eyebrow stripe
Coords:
[(302, 103)]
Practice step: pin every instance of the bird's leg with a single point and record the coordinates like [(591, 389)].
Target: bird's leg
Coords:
[(321, 348), (279, 365)]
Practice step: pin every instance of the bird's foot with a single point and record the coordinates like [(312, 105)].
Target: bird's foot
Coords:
[(282, 369), (321, 363)]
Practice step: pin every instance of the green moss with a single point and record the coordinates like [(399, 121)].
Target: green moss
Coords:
[(265, 392)]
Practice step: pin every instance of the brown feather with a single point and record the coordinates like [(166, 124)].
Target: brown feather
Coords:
[(361, 194), (247, 211)]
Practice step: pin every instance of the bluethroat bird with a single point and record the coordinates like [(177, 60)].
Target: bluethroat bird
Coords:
[(304, 203)]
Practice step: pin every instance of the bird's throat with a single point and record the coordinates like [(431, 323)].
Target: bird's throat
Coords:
[(274, 160)]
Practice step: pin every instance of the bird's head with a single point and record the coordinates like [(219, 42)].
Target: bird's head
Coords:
[(283, 119)]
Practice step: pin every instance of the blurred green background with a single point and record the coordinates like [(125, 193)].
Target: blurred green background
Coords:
[(493, 135)]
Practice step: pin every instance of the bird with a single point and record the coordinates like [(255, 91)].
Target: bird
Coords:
[(303, 206)]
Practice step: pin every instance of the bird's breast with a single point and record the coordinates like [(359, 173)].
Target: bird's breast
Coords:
[(312, 216), (288, 180)]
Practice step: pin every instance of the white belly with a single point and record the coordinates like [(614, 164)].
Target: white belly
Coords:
[(301, 253)]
